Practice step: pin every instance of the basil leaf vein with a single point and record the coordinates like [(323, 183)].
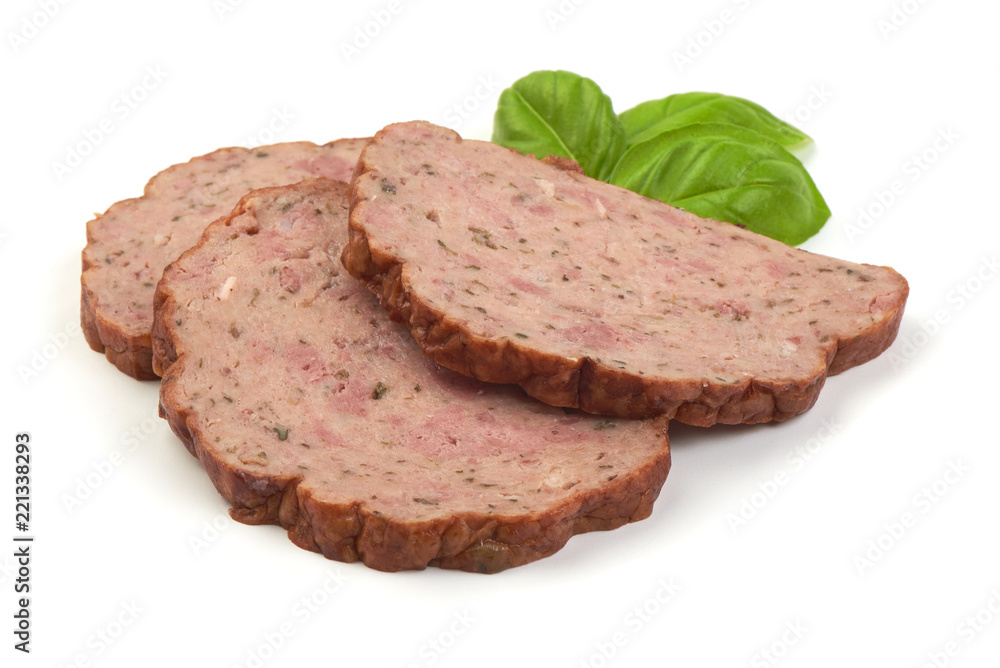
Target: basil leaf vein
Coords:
[(649, 119), (727, 173)]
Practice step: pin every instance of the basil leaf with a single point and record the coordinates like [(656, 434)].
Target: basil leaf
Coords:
[(727, 173), (564, 114), (649, 119)]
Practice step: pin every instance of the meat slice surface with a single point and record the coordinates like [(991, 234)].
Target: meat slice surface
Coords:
[(130, 244), (514, 270), (310, 409)]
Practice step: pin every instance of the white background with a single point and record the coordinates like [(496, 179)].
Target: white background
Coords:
[(882, 548)]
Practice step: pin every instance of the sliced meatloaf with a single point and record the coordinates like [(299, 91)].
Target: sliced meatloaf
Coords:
[(512, 270), (130, 244), (310, 409)]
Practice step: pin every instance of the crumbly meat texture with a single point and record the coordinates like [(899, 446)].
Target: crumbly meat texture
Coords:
[(310, 409), (512, 270), (130, 244)]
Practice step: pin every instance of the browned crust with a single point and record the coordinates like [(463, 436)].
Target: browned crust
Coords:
[(351, 532), (873, 341), (131, 354), (584, 383)]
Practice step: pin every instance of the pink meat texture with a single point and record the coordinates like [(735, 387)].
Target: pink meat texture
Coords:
[(515, 270)]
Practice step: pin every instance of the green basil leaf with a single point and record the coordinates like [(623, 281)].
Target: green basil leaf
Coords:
[(727, 173), (649, 119), (564, 114)]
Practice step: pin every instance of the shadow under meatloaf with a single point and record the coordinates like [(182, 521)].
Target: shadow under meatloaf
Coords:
[(310, 409), (514, 270), (130, 244)]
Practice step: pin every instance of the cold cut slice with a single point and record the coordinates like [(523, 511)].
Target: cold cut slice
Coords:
[(512, 270), (310, 409)]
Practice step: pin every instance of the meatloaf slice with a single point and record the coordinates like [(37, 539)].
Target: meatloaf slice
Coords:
[(130, 244), (513, 270), (310, 409)]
